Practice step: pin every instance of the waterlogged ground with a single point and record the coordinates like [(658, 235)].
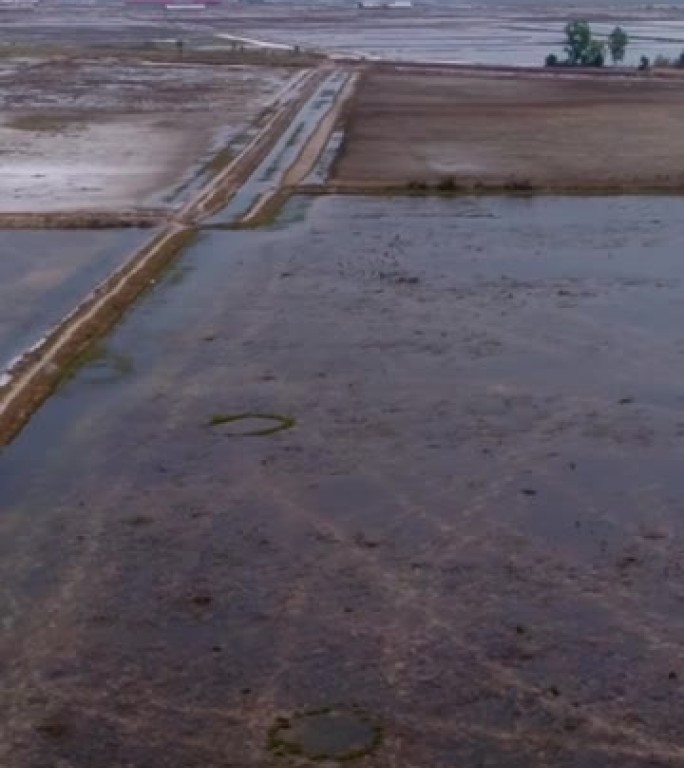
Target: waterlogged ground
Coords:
[(469, 544), (81, 134), (523, 36), (44, 274)]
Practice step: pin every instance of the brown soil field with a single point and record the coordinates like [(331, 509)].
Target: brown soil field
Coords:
[(519, 133)]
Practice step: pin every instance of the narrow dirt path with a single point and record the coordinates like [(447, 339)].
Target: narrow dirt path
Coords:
[(306, 159), (312, 150)]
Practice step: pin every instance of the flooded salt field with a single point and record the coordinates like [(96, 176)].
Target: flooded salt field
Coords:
[(502, 38), (465, 549), (44, 274)]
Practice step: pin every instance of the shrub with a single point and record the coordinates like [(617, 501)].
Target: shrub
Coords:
[(446, 185)]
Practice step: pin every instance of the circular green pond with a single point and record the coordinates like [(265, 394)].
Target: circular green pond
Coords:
[(251, 424), (326, 734)]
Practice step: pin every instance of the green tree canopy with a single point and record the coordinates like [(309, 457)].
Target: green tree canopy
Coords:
[(578, 39), (618, 40), (594, 55)]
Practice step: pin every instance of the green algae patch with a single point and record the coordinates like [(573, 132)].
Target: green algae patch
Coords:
[(252, 424), (331, 733)]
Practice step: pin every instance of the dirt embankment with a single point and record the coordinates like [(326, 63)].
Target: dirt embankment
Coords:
[(82, 220), (459, 133)]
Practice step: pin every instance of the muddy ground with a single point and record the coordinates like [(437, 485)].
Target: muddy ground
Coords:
[(109, 134), (553, 133), (472, 530)]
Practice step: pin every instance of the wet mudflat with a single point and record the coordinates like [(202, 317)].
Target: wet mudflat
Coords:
[(469, 541), (81, 134), (44, 274)]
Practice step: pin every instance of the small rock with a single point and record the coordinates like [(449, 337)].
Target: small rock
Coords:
[(362, 540), (572, 723), (201, 600), (52, 728), (627, 561)]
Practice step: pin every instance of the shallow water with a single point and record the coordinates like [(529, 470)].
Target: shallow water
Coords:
[(498, 39), (44, 274), (472, 532)]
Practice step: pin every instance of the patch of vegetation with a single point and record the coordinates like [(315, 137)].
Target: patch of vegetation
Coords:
[(618, 40), (295, 135), (283, 742), (267, 214), (99, 357), (177, 272), (220, 160), (519, 186), (49, 123), (54, 729), (281, 423), (446, 185), (263, 117), (417, 186), (662, 62), (583, 49)]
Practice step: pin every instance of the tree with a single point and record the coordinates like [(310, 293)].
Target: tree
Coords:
[(551, 60), (577, 41), (618, 40), (594, 55)]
